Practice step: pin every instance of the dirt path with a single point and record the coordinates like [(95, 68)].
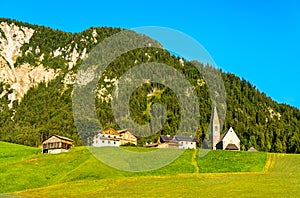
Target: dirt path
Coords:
[(194, 160), (270, 161)]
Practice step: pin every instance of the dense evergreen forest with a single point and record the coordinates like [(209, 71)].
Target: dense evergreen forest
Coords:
[(47, 108)]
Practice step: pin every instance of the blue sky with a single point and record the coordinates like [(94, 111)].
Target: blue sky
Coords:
[(256, 40)]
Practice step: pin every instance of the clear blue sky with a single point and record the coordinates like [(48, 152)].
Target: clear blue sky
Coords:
[(256, 40)]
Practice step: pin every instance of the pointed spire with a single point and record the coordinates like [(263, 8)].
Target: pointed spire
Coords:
[(216, 117)]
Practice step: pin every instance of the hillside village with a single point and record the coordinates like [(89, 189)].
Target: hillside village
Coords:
[(227, 141), (110, 137)]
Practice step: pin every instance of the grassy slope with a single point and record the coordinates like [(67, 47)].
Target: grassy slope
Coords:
[(78, 164), (231, 161), (10, 153), (78, 173), (282, 180)]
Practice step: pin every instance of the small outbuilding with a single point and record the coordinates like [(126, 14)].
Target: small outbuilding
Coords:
[(57, 144), (252, 149)]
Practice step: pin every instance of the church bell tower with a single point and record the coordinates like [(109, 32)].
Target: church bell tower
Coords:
[(215, 129)]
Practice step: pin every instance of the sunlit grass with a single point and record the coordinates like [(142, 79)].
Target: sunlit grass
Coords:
[(232, 161), (10, 153), (79, 173), (283, 180)]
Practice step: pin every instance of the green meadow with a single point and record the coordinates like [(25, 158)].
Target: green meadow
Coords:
[(26, 172)]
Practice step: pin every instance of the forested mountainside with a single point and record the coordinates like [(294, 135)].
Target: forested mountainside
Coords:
[(38, 70)]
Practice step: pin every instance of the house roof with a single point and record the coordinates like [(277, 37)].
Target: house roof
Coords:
[(64, 138), (166, 138), (126, 130), (110, 131), (60, 137), (122, 130), (184, 138), (176, 138)]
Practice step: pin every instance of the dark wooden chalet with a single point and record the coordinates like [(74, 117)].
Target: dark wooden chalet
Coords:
[(57, 144)]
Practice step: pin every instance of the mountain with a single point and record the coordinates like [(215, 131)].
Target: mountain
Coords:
[(37, 76)]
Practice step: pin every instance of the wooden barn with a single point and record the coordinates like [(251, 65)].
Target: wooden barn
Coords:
[(57, 144)]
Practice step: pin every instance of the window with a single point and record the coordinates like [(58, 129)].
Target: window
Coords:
[(114, 136), (109, 136), (102, 141), (108, 142), (216, 128), (114, 142)]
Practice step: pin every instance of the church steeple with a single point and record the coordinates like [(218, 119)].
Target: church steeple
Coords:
[(215, 129)]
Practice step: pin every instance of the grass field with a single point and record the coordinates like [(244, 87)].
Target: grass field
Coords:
[(10, 153), (79, 174), (231, 161)]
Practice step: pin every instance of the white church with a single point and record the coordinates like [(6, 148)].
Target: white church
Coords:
[(228, 141)]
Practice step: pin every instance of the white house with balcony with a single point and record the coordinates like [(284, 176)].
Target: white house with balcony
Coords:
[(108, 137)]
